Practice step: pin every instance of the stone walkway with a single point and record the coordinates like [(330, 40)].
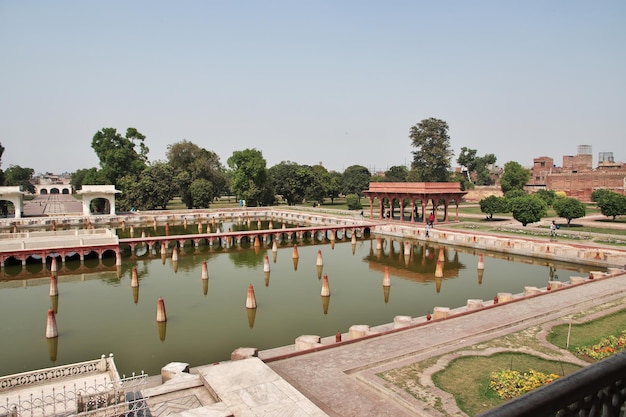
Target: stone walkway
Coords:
[(343, 380), (52, 205)]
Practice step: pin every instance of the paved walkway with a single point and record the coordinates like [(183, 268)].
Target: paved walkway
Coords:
[(52, 205), (342, 380)]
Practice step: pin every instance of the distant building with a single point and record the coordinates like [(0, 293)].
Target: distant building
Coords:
[(577, 177), (49, 183)]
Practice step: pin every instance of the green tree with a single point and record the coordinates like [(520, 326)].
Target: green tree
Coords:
[(467, 160), (249, 177), (355, 180), (515, 177), (599, 194), (120, 155), (199, 163), (290, 180), (94, 176), (397, 173), (569, 208), (15, 175), (494, 204), (317, 189), (201, 191), (612, 204), (152, 189), (333, 187), (528, 209), (431, 160), (132, 196), (482, 169), (515, 193), (78, 177), (549, 196), (353, 201)]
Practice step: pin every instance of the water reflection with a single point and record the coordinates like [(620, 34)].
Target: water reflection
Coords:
[(418, 263)]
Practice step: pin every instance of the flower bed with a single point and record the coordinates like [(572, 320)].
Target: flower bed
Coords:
[(608, 346), (509, 384)]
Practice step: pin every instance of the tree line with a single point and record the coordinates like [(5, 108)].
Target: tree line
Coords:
[(197, 176)]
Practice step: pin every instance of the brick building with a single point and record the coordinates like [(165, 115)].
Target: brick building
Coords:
[(577, 177)]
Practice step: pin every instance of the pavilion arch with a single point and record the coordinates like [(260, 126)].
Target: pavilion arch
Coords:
[(46, 189), (95, 192), (431, 195), (13, 195)]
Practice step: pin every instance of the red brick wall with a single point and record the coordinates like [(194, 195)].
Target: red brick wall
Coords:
[(580, 185)]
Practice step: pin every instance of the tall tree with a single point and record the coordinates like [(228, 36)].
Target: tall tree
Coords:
[(16, 175), (157, 181), (476, 167), (120, 155), (333, 188), (431, 160), (318, 187), (515, 177), (199, 163), (483, 173), (355, 180), (467, 160), (87, 176), (290, 180), (249, 177)]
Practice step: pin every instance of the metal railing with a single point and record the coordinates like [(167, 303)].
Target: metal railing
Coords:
[(598, 390), (112, 398)]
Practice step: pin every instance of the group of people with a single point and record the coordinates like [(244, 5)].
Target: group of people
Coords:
[(429, 224)]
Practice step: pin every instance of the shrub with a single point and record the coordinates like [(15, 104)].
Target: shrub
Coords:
[(353, 202)]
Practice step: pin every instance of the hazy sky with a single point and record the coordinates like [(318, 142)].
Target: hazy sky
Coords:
[(336, 82)]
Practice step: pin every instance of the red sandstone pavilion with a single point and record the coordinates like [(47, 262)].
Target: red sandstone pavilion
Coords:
[(416, 194)]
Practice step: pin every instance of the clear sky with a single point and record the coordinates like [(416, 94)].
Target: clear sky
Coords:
[(330, 81)]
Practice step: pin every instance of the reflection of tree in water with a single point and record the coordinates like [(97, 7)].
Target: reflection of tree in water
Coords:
[(247, 258), (419, 265)]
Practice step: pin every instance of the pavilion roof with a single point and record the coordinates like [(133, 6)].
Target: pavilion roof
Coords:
[(415, 188)]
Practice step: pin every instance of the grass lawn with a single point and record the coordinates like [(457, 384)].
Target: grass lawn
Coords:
[(590, 333), (467, 378)]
